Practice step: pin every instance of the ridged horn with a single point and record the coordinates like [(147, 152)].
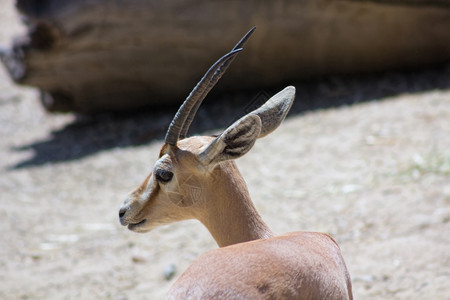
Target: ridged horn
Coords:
[(217, 75), (185, 114)]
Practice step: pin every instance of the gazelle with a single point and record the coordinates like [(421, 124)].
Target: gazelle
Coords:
[(196, 178)]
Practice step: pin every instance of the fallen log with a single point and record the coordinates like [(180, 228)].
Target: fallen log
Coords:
[(98, 55)]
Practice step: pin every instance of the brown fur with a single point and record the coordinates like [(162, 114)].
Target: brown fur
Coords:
[(252, 263), (300, 265), (206, 185)]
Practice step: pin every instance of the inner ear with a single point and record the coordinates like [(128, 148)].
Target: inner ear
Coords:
[(234, 142)]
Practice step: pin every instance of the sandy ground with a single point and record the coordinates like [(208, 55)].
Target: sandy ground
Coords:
[(376, 175)]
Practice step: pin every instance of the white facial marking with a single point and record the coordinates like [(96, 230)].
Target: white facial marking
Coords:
[(148, 190), (151, 181)]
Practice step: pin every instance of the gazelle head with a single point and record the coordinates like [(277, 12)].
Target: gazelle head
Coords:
[(193, 174)]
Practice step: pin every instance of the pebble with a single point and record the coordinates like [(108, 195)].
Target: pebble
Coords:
[(169, 271)]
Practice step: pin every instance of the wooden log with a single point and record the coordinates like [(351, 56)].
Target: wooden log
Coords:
[(98, 55)]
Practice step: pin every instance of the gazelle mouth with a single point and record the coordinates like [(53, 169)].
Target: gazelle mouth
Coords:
[(136, 225)]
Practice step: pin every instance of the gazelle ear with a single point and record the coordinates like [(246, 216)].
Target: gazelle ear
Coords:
[(273, 112), (234, 142)]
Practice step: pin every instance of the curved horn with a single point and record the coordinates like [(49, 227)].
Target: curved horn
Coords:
[(183, 118), (178, 121), (215, 78)]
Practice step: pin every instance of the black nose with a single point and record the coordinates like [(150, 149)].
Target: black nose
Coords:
[(122, 212)]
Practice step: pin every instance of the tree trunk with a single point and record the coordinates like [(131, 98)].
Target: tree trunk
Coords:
[(97, 55)]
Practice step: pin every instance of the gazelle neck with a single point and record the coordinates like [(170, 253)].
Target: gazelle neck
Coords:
[(229, 214)]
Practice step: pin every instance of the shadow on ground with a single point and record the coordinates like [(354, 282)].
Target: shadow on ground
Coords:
[(90, 134)]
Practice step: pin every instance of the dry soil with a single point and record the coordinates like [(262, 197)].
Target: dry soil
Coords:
[(375, 174)]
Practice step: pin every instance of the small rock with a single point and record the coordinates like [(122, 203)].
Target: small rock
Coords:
[(349, 188), (36, 256), (169, 271), (137, 258)]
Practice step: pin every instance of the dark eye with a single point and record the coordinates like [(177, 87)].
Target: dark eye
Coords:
[(163, 175)]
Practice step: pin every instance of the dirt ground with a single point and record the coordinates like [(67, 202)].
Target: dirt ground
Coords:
[(374, 174)]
